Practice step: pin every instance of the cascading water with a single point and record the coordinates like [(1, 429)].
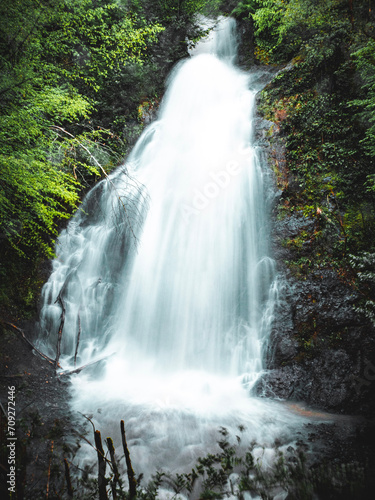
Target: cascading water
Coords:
[(193, 294), (165, 269)]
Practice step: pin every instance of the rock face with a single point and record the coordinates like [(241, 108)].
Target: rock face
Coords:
[(321, 351)]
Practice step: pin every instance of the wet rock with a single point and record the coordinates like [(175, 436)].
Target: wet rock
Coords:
[(246, 42), (321, 351)]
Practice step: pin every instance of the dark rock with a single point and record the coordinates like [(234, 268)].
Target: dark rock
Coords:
[(246, 42), (321, 351)]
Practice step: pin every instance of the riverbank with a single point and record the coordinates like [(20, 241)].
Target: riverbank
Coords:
[(44, 423), (47, 430)]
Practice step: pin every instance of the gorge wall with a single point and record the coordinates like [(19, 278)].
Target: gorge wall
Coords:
[(321, 350)]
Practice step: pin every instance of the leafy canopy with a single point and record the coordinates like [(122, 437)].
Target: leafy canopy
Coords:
[(54, 57)]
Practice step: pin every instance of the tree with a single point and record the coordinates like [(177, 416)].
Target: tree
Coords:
[(55, 56), (72, 76)]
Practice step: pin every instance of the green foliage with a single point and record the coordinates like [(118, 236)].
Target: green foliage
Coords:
[(35, 194), (169, 10), (267, 21), (281, 28), (49, 55), (365, 62), (364, 265), (89, 39), (267, 17), (72, 75), (237, 472), (322, 106), (246, 8)]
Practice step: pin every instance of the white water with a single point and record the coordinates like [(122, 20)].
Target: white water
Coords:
[(185, 314)]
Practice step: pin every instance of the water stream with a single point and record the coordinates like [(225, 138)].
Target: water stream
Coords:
[(166, 270)]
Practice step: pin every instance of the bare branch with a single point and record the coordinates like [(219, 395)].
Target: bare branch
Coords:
[(101, 467), (61, 327), (56, 127), (78, 337), (77, 370), (30, 344), (130, 471), (68, 479)]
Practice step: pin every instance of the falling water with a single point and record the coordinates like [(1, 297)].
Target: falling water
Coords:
[(165, 269)]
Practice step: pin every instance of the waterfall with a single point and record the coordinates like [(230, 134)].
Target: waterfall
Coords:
[(192, 294), (166, 269)]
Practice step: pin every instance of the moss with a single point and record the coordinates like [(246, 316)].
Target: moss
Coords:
[(20, 287), (308, 336)]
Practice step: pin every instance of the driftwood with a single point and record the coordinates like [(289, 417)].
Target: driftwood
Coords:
[(77, 370), (101, 467), (130, 471), (32, 346)]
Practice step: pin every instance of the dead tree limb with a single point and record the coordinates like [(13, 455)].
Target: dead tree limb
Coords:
[(49, 470), (130, 471), (77, 370), (67, 478), (57, 128), (116, 474), (31, 345), (101, 467), (62, 318), (3, 411), (78, 338), (61, 328)]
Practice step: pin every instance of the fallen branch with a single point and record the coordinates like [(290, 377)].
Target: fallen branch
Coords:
[(78, 338), (30, 344), (77, 370), (62, 318), (61, 327), (101, 467)]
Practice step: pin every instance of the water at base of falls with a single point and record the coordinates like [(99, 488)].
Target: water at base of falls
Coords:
[(185, 314)]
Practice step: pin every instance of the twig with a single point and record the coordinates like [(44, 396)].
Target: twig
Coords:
[(30, 344), (56, 127), (84, 438), (4, 412), (89, 419), (130, 471)]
